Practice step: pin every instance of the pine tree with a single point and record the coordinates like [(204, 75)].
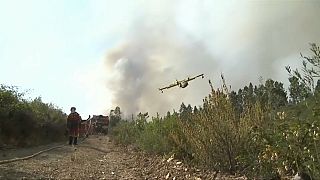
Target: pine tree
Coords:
[(298, 91), (195, 110)]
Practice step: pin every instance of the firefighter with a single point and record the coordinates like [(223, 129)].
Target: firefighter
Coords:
[(73, 125)]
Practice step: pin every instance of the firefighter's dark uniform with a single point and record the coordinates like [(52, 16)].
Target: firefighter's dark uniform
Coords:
[(73, 125)]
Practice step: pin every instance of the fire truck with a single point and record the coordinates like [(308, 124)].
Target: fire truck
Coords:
[(100, 124)]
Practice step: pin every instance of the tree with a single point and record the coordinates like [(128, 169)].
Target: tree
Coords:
[(117, 111), (185, 111), (247, 95), (310, 68), (115, 116), (168, 114), (141, 120), (189, 109), (183, 108), (236, 103), (317, 89), (22, 122), (195, 110), (260, 94), (298, 91), (240, 102), (277, 96)]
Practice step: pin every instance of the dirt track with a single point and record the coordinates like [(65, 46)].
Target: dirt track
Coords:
[(114, 163)]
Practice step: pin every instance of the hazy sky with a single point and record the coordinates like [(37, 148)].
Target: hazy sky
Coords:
[(98, 54)]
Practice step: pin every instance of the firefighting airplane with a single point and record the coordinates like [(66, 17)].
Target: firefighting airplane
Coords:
[(182, 84)]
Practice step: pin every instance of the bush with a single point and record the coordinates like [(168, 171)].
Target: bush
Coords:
[(26, 123), (155, 137), (125, 132), (293, 141)]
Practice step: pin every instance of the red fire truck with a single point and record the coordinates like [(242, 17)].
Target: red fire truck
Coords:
[(100, 124)]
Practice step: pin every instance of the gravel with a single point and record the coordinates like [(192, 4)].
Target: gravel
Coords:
[(111, 162)]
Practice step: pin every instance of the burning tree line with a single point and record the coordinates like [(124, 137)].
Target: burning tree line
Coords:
[(260, 131)]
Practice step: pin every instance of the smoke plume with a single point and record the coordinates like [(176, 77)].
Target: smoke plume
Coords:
[(176, 40)]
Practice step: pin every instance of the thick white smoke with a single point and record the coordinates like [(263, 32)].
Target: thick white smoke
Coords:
[(169, 41)]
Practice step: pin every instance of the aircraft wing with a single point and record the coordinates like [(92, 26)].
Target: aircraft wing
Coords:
[(167, 87), (200, 75)]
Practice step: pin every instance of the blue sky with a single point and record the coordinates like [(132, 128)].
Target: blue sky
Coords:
[(82, 53)]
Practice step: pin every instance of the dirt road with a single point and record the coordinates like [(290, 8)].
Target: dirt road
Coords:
[(111, 162)]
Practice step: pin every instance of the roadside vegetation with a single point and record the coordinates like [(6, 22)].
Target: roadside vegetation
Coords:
[(261, 131), (28, 122)]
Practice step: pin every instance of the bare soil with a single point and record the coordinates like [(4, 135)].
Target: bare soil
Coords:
[(111, 162)]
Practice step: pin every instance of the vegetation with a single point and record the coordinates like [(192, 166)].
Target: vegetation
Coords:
[(261, 131), (24, 123), (115, 116)]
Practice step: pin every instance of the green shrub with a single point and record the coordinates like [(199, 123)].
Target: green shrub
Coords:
[(260, 142), (293, 141), (125, 132), (155, 137), (26, 123)]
